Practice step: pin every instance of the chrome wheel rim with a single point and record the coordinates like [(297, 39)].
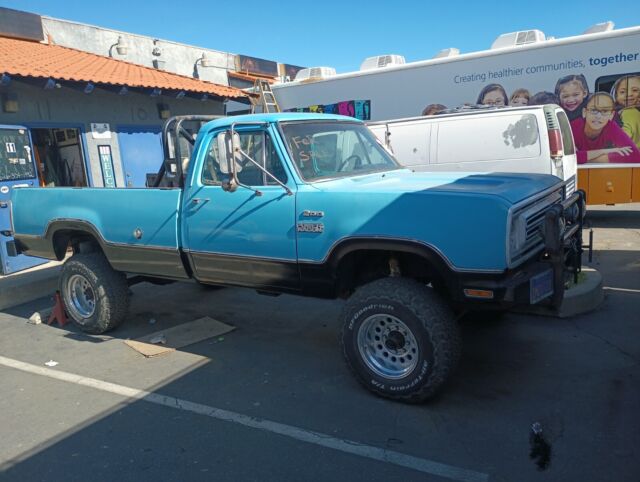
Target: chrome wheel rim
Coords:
[(387, 346), (81, 297)]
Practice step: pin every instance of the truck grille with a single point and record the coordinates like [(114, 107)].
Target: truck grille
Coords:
[(534, 216), (571, 186)]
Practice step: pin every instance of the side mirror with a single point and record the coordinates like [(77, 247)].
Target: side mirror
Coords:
[(228, 158), (227, 153), (228, 184)]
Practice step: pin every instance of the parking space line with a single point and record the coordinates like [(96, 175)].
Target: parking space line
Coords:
[(316, 438), (621, 290)]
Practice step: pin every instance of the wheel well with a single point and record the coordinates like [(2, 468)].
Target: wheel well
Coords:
[(363, 266), (79, 241)]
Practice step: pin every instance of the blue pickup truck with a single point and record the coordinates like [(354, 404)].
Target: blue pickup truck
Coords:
[(314, 205)]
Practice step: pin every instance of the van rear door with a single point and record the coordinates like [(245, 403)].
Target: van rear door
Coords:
[(495, 141)]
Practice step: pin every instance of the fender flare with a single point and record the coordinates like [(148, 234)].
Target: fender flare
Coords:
[(432, 255)]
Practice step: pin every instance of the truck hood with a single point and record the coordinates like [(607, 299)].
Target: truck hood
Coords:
[(512, 187)]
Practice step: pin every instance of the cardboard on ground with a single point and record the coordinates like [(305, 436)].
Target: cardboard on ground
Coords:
[(179, 336)]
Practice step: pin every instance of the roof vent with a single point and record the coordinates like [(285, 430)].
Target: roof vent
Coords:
[(450, 52), (514, 39), (315, 73), (381, 61), (600, 27)]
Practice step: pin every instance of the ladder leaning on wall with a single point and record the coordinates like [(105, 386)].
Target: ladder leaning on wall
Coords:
[(265, 99)]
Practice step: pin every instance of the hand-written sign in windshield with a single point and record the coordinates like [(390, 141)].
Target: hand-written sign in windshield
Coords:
[(301, 147), (321, 149)]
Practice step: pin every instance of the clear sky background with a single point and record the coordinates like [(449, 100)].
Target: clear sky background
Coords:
[(338, 34)]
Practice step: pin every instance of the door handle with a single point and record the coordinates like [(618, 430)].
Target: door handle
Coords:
[(198, 200)]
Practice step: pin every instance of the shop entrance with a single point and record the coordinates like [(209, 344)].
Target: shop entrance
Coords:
[(59, 158)]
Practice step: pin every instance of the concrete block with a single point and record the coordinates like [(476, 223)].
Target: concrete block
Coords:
[(584, 297)]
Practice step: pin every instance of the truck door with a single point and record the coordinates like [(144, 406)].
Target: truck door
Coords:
[(17, 169), (246, 237)]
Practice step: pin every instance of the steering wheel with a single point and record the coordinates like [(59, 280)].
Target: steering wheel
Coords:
[(357, 163)]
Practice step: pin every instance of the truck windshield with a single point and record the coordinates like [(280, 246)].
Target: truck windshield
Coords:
[(335, 149), (15, 155)]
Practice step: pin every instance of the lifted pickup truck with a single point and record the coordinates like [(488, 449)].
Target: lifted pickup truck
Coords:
[(314, 205)]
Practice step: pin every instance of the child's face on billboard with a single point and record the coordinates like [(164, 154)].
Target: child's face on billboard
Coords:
[(494, 97), (628, 92), (571, 95), (519, 100), (598, 112)]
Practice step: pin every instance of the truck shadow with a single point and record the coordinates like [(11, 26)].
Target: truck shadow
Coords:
[(283, 363)]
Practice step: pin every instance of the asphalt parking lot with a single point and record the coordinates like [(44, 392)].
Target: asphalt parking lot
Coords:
[(273, 400)]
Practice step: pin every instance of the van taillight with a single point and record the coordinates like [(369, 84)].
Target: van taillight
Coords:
[(555, 143)]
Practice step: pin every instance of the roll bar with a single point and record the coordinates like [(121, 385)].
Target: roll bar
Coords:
[(174, 126)]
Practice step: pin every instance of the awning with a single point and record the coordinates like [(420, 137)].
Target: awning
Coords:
[(33, 59)]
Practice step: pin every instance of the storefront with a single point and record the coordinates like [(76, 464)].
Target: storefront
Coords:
[(89, 120)]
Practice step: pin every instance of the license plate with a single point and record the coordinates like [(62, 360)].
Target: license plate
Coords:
[(541, 286)]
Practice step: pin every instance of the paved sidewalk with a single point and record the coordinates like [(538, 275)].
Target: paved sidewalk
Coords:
[(29, 285)]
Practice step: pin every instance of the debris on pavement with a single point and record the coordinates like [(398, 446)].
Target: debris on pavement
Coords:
[(540, 448), (159, 339)]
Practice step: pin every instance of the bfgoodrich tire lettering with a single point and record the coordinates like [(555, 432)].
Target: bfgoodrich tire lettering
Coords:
[(95, 295), (400, 318)]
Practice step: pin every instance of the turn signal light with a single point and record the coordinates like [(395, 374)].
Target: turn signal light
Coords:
[(486, 294)]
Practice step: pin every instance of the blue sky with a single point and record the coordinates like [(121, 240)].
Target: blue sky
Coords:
[(332, 33)]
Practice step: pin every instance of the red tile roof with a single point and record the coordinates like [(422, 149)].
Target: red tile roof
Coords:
[(32, 59)]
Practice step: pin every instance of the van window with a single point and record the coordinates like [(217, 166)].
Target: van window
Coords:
[(488, 138), (567, 136)]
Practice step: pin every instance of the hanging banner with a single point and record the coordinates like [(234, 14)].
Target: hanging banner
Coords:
[(106, 163)]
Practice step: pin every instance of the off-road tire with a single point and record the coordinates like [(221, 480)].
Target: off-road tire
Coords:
[(109, 287), (430, 322)]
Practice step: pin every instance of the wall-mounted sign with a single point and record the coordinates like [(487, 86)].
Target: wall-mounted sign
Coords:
[(22, 25), (254, 65), (100, 130), (291, 71), (106, 163)]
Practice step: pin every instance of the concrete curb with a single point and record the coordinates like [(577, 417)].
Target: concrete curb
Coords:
[(579, 299), (29, 285)]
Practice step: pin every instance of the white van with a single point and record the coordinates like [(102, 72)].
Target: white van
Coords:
[(532, 139)]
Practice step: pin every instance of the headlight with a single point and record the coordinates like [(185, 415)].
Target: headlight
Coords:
[(518, 235), (562, 224), (572, 213)]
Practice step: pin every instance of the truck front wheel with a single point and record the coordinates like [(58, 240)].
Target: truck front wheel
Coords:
[(96, 297), (400, 339)]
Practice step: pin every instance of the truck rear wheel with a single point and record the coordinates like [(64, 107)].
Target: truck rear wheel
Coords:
[(96, 296), (400, 339)]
